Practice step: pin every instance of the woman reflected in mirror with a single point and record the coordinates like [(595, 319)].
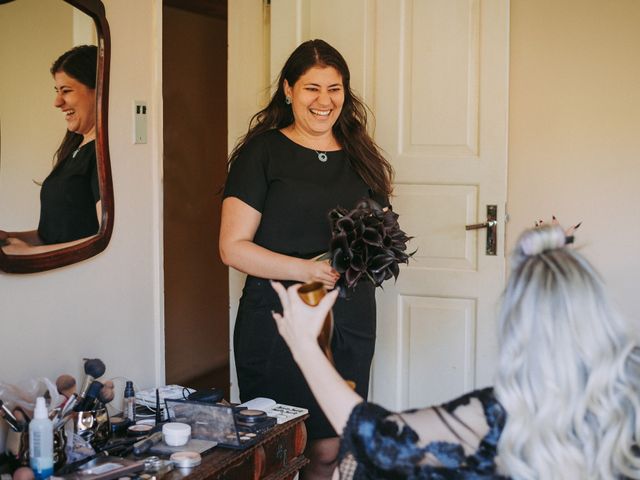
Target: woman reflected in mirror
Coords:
[(70, 207)]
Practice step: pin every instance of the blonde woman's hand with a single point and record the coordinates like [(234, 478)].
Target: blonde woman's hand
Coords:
[(568, 232), (300, 324)]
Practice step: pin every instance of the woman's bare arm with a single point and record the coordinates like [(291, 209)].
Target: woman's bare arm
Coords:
[(238, 227), (30, 243), (300, 326)]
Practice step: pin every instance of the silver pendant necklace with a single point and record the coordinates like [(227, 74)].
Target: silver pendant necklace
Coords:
[(322, 156)]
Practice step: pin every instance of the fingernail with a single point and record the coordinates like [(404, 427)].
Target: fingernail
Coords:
[(578, 225), (553, 216)]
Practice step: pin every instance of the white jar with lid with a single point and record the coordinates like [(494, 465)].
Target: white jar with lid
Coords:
[(176, 434)]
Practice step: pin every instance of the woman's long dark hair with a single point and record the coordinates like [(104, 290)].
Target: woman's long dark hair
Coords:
[(80, 63), (350, 129)]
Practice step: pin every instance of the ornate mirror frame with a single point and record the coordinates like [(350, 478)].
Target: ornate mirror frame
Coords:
[(94, 245)]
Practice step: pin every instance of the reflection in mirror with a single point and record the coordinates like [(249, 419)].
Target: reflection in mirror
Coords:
[(52, 191)]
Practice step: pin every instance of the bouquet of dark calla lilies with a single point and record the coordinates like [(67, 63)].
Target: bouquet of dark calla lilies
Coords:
[(366, 243)]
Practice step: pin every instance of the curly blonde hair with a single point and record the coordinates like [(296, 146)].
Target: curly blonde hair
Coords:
[(569, 369)]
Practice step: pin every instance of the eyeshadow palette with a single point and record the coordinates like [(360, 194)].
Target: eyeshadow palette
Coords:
[(220, 423)]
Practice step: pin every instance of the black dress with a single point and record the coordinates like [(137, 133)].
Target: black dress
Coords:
[(294, 191), (68, 198)]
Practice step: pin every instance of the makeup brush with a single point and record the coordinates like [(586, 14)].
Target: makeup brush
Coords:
[(8, 417), (21, 418), (93, 368), (90, 399), (66, 385), (106, 392), (158, 412), (66, 411), (68, 406)]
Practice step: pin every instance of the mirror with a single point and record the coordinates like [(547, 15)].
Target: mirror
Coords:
[(33, 34)]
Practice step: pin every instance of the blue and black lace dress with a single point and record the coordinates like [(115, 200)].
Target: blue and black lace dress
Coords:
[(378, 444)]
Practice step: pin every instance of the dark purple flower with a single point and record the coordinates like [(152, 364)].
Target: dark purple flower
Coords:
[(366, 243)]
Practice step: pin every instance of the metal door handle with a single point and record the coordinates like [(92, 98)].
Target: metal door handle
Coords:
[(478, 226), (491, 247)]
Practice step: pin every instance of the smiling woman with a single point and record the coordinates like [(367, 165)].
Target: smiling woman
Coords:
[(307, 152), (70, 196), (53, 216)]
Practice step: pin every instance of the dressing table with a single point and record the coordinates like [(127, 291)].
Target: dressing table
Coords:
[(279, 455)]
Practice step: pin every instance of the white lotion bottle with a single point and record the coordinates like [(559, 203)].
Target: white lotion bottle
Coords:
[(41, 441)]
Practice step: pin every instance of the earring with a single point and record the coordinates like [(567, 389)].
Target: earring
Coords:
[(287, 100)]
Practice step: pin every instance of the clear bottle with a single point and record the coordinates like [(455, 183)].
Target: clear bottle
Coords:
[(129, 410), (41, 441)]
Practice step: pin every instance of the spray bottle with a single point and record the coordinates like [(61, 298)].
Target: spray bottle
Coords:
[(41, 441)]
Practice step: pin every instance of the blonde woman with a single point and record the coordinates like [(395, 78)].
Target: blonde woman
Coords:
[(565, 404)]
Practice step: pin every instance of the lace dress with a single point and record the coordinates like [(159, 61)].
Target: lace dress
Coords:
[(378, 444)]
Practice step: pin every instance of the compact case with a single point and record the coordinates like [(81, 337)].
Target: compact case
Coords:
[(220, 423), (186, 459), (254, 421)]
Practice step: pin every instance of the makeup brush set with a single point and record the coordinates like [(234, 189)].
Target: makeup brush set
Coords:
[(87, 408)]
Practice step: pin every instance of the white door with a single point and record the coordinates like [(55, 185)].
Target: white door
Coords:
[(435, 73)]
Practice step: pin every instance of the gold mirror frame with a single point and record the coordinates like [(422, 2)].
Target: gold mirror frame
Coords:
[(94, 245)]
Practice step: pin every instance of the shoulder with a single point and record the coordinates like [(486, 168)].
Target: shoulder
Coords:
[(486, 399), (259, 149), (263, 141), (484, 395)]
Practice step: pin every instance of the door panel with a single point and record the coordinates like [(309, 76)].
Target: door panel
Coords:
[(441, 103), (435, 331), (439, 242)]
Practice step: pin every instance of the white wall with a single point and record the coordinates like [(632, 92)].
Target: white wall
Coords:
[(574, 146), (108, 306)]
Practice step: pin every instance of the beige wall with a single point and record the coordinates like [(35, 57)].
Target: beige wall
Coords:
[(108, 306), (574, 143)]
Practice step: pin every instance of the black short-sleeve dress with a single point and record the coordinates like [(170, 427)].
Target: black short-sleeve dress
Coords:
[(68, 198), (294, 191)]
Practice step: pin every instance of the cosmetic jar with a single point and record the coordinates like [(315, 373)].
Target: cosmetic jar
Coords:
[(176, 434)]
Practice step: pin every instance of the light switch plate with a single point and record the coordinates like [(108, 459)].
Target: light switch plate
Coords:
[(140, 115)]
